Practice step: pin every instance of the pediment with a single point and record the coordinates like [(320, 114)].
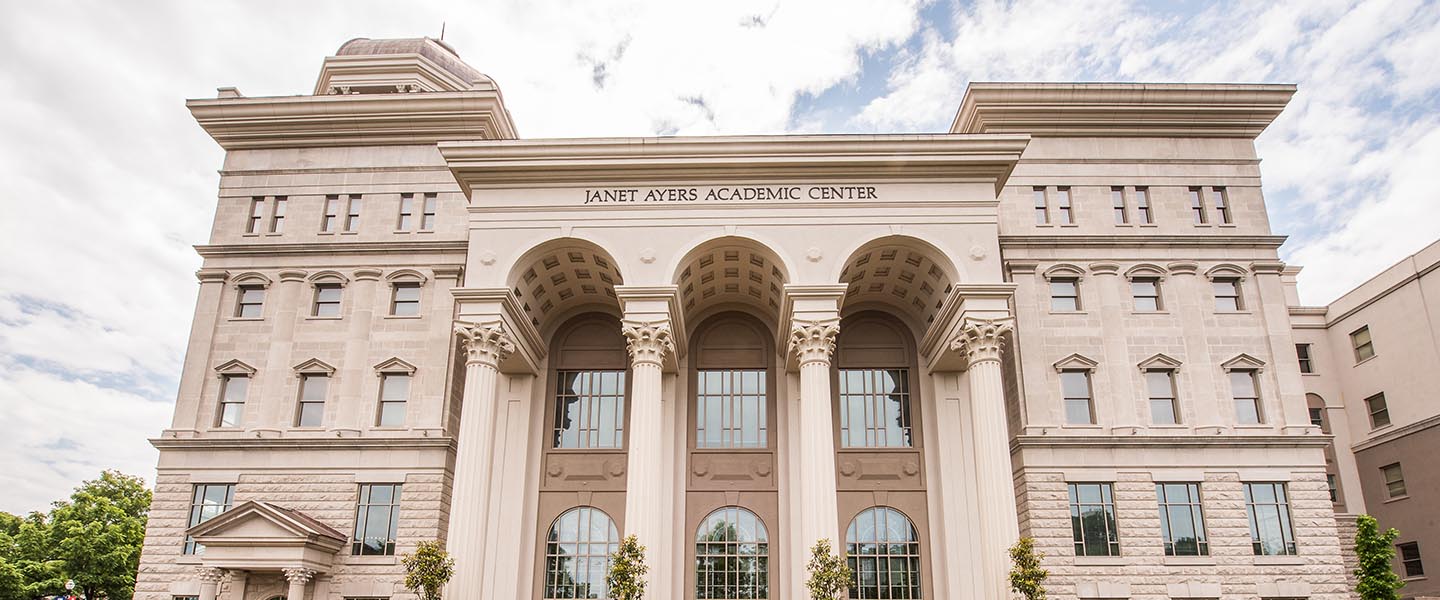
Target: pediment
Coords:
[(395, 365), (1076, 362), (315, 365), (235, 367), (254, 521), (1243, 362), (1160, 361)]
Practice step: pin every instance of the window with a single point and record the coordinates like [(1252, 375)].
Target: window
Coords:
[(1222, 205), (233, 389), (577, 554), (884, 555), (1410, 559), (1360, 341), (327, 300), (394, 393), (277, 215), (408, 209), (206, 501), (250, 302), (1042, 208), (1122, 211), (1197, 206), (377, 519), (1063, 209), (1268, 510), (427, 215), (875, 408), (257, 214), (731, 409), (352, 214), (1394, 480), (1334, 487), (405, 299), (407, 212), (1064, 295), (1307, 364), (1246, 393), (311, 412), (1161, 386), (1075, 385), (1182, 520), (732, 554), (332, 214), (590, 409), (1379, 413), (1317, 417), (1142, 206), (1227, 294), (1092, 519), (1146, 292)]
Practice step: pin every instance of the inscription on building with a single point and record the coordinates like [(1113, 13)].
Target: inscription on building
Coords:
[(782, 193)]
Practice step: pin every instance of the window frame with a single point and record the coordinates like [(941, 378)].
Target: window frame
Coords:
[(1376, 414), (404, 404), (1407, 558), (1220, 200), (406, 217), (1135, 295), (1075, 301), (732, 558), (364, 499), (1089, 398), (1197, 206), (1041, 200), (429, 211), (256, 217), (873, 427), (1173, 400), (550, 549), (316, 302), (197, 516), (1106, 504), (912, 555), (1256, 399), (1391, 475), (225, 401), (590, 439), (1285, 518), (277, 215), (1065, 205), (1142, 205), (351, 221), (1120, 205), (1238, 296), (330, 219), (1361, 348), (300, 400), (396, 302), (241, 304), (1194, 504), (1305, 357)]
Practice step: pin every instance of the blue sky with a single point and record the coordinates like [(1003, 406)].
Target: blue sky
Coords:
[(108, 182)]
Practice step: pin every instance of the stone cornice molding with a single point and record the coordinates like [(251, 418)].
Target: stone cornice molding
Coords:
[(1045, 242), (398, 248), (1267, 267), (484, 343), (207, 444), (1390, 435), (212, 275), (299, 575), (648, 342), (1104, 268), (813, 341), (982, 340), (1170, 441)]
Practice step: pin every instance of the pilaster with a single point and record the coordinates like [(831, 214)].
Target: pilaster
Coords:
[(649, 505)]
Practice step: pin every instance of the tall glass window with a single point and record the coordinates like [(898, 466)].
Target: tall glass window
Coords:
[(1042, 209), (208, 500), (1064, 294), (277, 215), (233, 389), (1247, 398), (1182, 521), (1227, 295), (394, 396), (332, 214), (1197, 206), (1394, 480), (257, 214), (327, 300), (377, 519), (311, 412), (1307, 364), (1075, 386), (1222, 205), (577, 554), (1161, 386), (1092, 519), (875, 409), (352, 214), (1361, 342), (1122, 212), (884, 555), (251, 302), (1146, 292), (1268, 508), (590, 409), (731, 409), (732, 556), (427, 214), (1142, 206), (405, 299), (1064, 212)]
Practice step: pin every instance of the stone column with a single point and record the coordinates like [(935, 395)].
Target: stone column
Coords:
[(485, 345), (981, 341), (277, 408), (812, 343), (1118, 406), (649, 343), (1189, 297), (210, 582), (298, 578)]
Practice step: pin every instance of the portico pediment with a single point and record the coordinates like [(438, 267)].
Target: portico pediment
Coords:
[(259, 536)]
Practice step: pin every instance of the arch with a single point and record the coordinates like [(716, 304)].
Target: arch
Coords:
[(556, 277), (586, 401), (1225, 270), (1146, 270), (732, 549), (577, 554), (884, 554), (328, 277), (251, 278), (874, 387), (406, 275), (731, 269), (900, 271), (1063, 270), (733, 384)]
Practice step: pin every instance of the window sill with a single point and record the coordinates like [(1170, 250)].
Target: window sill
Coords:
[(1204, 225), (370, 559), (274, 234), (349, 232), (404, 316), (1311, 374), (1396, 499), (1382, 427), (1233, 312), (314, 318), (246, 318), (1100, 561), (254, 235), (1148, 225), (1069, 312), (1190, 560), (1069, 224), (425, 231), (404, 231), (1149, 312), (1255, 426), (1227, 225), (1361, 362), (1093, 426), (1279, 559), (1171, 426), (1415, 578), (1124, 225), (323, 232)]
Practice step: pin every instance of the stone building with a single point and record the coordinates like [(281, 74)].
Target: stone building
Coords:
[(1064, 319)]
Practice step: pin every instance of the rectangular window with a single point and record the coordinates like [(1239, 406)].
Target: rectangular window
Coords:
[(1075, 386), (1409, 553), (377, 519), (277, 215), (1360, 341), (1092, 519), (332, 214), (1246, 393), (1182, 520), (731, 409), (1307, 364), (233, 389), (1122, 211), (1142, 206), (1042, 208), (352, 214), (407, 212), (1146, 292), (1379, 412), (1268, 509), (1161, 386), (257, 214), (1063, 210), (394, 394), (207, 500), (405, 300), (327, 300), (250, 302), (427, 215), (1333, 485), (311, 412), (1064, 295), (1222, 205), (1227, 295), (1317, 417), (590, 409), (1197, 206), (875, 408), (1394, 480)]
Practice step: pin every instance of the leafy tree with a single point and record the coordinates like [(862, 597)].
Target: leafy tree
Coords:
[(96, 536), (627, 570), (829, 574), (12, 582), (33, 549), (1375, 578), (1026, 576), (428, 569)]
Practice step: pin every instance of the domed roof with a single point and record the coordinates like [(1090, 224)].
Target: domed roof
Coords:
[(437, 51)]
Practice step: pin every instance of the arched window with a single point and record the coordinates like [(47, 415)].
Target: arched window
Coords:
[(590, 386), (874, 385), (732, 556), (884, 553), (577, 554), (732, 408)]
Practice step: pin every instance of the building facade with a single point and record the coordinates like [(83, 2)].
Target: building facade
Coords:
[(1064, 319)]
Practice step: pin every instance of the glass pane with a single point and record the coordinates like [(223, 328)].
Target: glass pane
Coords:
[(395, 387), (1075, 384), (1247, 412), (236, 387), (1077, 412), (1162, 412), (392, 414), (1242, 384), (312, 414)]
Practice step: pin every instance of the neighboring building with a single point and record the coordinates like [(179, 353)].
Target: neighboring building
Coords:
[(1371, 367), (1065, 319)]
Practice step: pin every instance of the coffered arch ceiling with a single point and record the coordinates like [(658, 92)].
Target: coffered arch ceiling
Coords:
[(901, 271), (731, 270), (562, 275)]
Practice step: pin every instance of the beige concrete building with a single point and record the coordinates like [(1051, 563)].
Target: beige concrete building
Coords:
[(1064, 319)]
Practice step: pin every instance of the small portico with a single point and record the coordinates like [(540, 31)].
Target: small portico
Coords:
[(258, 537)]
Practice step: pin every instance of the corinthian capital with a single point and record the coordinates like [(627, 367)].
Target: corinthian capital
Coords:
[(812, 341), (299, 575), (981, 340), (210, 574), (484, 343), (648, 342)]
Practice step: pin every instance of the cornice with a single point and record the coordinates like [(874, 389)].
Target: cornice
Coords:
[(1268, 242), (336, 443), (1169, 441), (1396, 433), (398, 247)]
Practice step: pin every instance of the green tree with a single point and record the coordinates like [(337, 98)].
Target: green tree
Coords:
[(1026, 576), (829, 574), (33, 557), (1375, 577), (428, 569), (96, 535), (626, 579)]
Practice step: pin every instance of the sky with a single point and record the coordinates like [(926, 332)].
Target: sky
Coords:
[(108, 182)]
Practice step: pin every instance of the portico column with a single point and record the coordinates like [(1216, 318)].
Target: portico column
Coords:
[(812, 343), (485, 345), (981, 341), (298, 578), (210, 582), (649, 343)]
